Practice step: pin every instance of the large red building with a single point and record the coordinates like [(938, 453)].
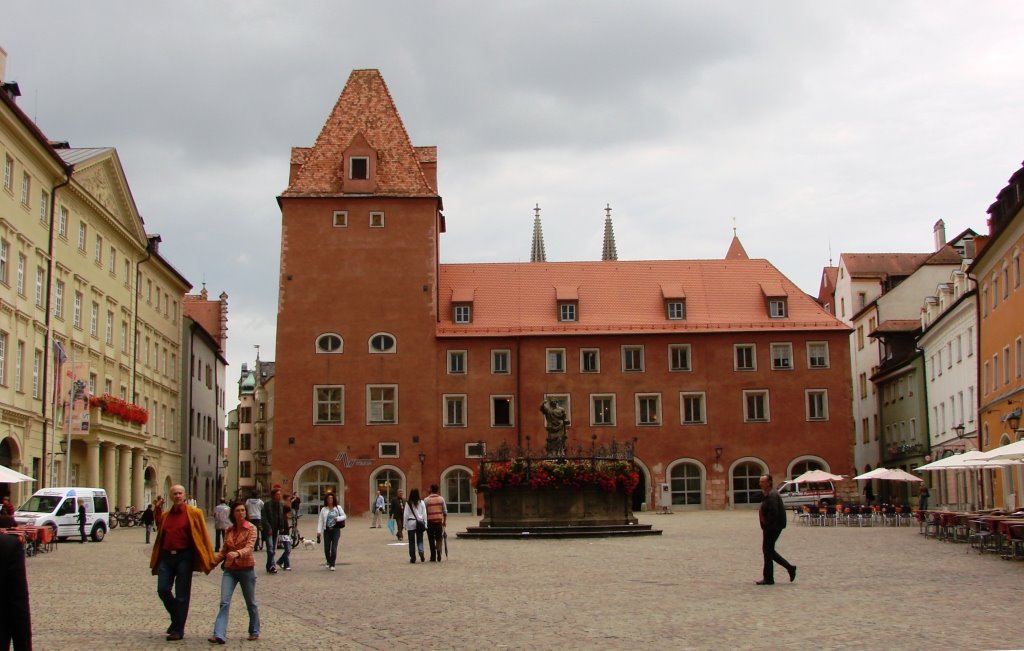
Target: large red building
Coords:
[(396, 370)]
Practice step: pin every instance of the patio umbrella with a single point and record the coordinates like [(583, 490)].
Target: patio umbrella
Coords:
[(1011, 451), (816, 475), (8, 476), (871, 474), (889, 474), (969, 459)]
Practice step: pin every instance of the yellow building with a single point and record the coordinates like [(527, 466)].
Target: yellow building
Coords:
[(997, 269)]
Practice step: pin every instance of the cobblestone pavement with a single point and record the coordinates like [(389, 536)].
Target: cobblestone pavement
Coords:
[(692, 587)]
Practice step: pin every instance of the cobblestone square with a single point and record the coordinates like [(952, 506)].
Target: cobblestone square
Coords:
[(692, 587)]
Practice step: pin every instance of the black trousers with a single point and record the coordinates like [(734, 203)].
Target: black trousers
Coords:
[(769, 537), (435, 533)]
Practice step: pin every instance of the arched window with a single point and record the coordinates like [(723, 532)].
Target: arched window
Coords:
[(746, 487), (382, 342), (457, 491), (687, 485), (390, 481), (330, 342), (316, 481), (803, 465)]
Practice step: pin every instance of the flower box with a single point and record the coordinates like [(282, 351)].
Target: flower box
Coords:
[(118, 408)]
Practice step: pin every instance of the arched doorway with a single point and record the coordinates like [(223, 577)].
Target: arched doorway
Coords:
[(686, 483), (457, 490), (316, 479), (746, 476), (388, 479), (642, 494)]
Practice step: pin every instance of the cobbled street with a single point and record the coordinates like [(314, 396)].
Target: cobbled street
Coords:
[(692, 587)]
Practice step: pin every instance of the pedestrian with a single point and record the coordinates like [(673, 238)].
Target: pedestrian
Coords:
[(182, 547), (329, 525), (6, 507), (15, 616), (437, 520), (923, 496), (239, 567), (285, 538), (273, 522), (254, 511), (192, 501), (296, 504), (221, 522), (378, 509), (397, 509), (869, 493), (772, 515), (415, 517), (148, 517), (81, 520)]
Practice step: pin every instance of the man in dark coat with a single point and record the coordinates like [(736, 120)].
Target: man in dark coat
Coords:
[(773, 520), (81, 520), (274, 524), (15, 622)]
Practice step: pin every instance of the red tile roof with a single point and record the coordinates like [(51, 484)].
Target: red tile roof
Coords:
[(736, 250), (204, 312), (623, 296), (365, 108), (897, 325), (882, 264)]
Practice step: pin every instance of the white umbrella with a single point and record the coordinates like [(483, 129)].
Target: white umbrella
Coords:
[(969, 459), (889, 474), (8, 476), (871, 474), (1012, 451), (816, 475)]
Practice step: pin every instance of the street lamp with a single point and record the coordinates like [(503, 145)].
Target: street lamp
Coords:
[(1013, 419), (959, 430)]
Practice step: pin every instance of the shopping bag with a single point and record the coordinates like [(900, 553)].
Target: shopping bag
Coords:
[(391, 526)]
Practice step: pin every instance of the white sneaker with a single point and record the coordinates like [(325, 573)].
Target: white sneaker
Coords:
[(332, 568)]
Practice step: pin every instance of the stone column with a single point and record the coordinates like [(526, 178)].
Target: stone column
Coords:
[(109, 476), (138, 479), (124, 477), (92, 465)]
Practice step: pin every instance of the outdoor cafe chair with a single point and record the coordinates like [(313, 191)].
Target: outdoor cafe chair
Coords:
[(1016, 542), (984, 535), (830, 515)]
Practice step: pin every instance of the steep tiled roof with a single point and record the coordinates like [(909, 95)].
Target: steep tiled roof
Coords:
[(897, 325), (736, 250), (204, 312), (880, 264), (623, 296), (364, 108), (945, 255)]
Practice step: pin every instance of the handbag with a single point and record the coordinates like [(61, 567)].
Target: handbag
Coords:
[(421, 526)]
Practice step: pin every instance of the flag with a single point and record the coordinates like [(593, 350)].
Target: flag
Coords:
[(58, 353)]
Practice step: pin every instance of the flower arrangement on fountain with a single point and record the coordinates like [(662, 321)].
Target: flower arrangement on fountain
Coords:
[(609, 476), (114, 406)]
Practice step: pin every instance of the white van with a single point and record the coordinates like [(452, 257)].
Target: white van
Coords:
[(57, 508), (810, 493)]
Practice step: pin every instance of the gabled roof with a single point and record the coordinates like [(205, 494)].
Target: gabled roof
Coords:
[(623, 297), (365, 110), (882, 264), (891, 326), (946, 255), (98, 173)]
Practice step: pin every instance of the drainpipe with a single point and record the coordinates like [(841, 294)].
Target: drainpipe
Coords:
[(48, 339)]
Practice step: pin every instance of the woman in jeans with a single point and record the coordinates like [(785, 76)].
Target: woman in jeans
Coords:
[(329, 525), (239, 569), (415, 518)]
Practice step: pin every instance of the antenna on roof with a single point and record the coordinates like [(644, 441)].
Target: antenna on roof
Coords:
[(830, 253)]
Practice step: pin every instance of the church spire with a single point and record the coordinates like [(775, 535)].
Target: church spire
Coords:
[(736, 250), (608, 251), (537, 249)]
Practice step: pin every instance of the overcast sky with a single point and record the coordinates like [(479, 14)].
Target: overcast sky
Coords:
[(819, 127)]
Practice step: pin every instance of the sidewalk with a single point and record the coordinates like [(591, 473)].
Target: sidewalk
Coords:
[(692, 587)]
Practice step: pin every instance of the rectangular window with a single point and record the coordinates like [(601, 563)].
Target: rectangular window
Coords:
[(376, 220), (245, 441), (19, 282), (77, 314), (863, 386), (457, 362), (555, 360), (817, 354), (340, 218), (745, 358), (94, 319), (501, 411), (62, 222), (329, 405), (388, 450), (679, 357), (692, 408), (108, 335), (245, 469), (777, 308), (26, 188), (602, 410), (463, 313), (1016, 269), (124, 336), (19, 362), (865, 430), (648, 409), (455, 411), (99, 250), (782, 357), (5, 251), (860, 337), (127, 273), (862, 300), (37, 369), (1018, 356), (40, 279), (3, 358), (499, 362), (108, 386), (112, 262), (632, 359), (590, 360), (995, 371), (755, 406), (817, 404), (82, 233), (8, 173), (676, 310), (382, 404), (359, 167), (1006, 365), (476, 450), (970, 341), (566, 311), (58, 299), (970, 404)]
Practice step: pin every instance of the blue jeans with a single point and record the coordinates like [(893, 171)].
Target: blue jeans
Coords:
[(175, 570), (286, 554), (330, 538), (270, 541), (247, 579)]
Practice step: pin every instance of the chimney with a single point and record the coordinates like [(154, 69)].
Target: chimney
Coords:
[(940, 234), (3, 64), (9, 87)]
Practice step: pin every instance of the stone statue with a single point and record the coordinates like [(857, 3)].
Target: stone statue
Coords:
[(555, 418)]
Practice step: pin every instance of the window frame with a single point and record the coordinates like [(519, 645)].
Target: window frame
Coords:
[(786, 361), (672, 366), (584, 354), (777, 308), (328, 401), (811, 357), (808, 395), (339, 219), (568, 312), (352, 168), (640, 411), (701, 396), (612, 417), (675, 310), (325, 336), (376, 219), (461, 400), (511, 409), (384, 450), (462, 313), (383, 401), (373, 350), (554, 360), (626, 351), (736, 348), (501, 353), (764, 394), (457, 362)]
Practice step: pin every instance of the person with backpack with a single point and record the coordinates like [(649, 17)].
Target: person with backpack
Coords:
[(328, 526)]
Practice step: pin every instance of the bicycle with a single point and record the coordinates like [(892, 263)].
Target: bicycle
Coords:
[(294, 530)]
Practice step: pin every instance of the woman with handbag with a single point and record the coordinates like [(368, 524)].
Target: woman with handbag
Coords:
[(239, 569), (415, 518), (329, 525)]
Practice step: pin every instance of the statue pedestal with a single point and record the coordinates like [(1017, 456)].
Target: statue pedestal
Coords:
[(546, 507)]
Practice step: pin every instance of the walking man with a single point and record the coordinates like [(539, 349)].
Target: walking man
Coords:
[(773, 520), (378, 509), (221, 522), (182, 547), (254, 513), (81, 519), (437, 519), (274, 523), (397, 509)]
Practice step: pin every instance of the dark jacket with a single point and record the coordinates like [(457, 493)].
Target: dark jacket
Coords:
[(15, 618), (773, 511), (397, 507), (273, 520)]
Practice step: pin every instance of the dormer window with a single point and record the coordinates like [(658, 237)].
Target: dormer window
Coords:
[(675, 310), (463, 313), (359, 167), (777, 308), (567, 298), (567, 311), (776, 296), (675, 301), (462, 305)]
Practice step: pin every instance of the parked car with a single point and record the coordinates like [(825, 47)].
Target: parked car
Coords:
[(57, 508), (812, 493)]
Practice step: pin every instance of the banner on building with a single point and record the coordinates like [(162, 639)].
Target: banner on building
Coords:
[(76, 377)]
